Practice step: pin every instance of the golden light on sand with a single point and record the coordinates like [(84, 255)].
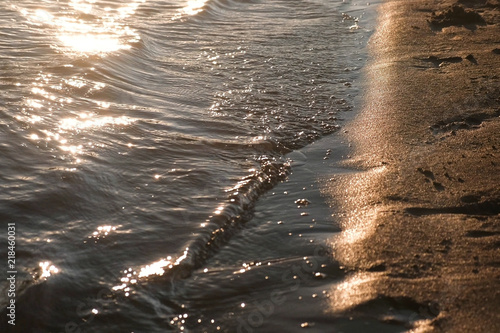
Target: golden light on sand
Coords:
[(358, 224), (356, 289)]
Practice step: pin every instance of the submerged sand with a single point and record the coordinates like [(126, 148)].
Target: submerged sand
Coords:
[(420, 197)]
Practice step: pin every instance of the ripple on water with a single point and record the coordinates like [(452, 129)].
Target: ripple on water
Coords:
[(136, 139)]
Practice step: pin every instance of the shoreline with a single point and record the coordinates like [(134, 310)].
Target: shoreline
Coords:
[(419, 207)]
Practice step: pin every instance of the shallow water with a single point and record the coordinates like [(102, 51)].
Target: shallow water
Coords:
[(146, 152)]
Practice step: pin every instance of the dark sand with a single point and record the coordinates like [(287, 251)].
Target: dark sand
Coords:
[(420, 197)]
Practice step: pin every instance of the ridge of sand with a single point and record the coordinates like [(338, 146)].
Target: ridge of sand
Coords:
[(420, 199)]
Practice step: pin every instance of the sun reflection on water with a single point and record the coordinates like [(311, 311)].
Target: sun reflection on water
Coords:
[(47, 269), (102, 30), (158, 268), (53, 119), (85, 121), (192, 7), (93, 43), (83, 6), (102, 232)]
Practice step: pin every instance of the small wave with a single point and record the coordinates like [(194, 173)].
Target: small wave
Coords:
[(226, 221)]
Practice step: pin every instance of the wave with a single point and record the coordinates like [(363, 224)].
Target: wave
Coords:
[(227, 220)]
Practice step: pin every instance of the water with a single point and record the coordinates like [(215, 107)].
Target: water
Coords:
[(146, 154)]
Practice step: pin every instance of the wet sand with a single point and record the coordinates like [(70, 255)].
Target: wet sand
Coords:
[(419, 197)]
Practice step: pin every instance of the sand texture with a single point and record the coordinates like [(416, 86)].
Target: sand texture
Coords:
[(420, 197)]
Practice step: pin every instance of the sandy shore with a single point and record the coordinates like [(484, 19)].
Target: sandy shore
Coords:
[(420, 197)]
